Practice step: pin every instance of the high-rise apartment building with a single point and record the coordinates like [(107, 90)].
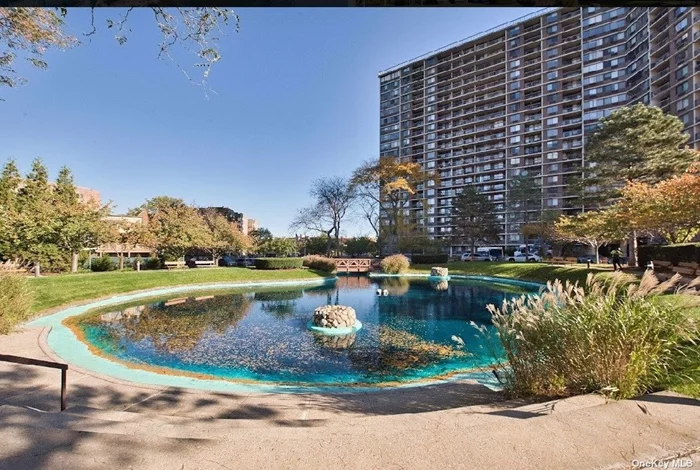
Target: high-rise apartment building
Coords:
[(520, 98)]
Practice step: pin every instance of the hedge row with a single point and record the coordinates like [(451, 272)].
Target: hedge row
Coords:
[(320, 263), (687, 253), (429, 259), (278, 263)]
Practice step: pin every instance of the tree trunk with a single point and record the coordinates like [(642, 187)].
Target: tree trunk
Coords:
[(121, 261), (632, 244), (597, 254), (74, 262), (37, 269)]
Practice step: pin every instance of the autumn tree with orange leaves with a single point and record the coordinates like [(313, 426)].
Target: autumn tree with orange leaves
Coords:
[(670, 208), (385, 186)]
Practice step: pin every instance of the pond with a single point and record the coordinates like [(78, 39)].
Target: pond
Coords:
[(258, 334)]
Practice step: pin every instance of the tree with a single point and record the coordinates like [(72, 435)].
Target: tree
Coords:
[(174, 226), (474, 219), (333, 198), (544, 230), (525, 197), (10, 180), (127, 235), (35, 221), (29, 32), (593, 228), (279, 247), (224, 236), (390, 184), (636, 144), (315, 245), (78, 225), (258, 237), (670, 208), (360, 245)]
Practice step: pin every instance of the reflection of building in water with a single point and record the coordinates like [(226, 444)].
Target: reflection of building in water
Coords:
[(126, 313)]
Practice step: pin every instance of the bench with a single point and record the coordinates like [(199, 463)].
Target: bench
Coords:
[(685, 269), (205, 264), (175, 264)]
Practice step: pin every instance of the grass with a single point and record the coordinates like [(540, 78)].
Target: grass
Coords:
[(571, 340), (537, 272), (54, 291)]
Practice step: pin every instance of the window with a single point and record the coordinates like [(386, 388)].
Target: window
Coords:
[(551, 87), (682, 24), (551, 53), (514, 75), (552, 75), (513, 107), (552, 41), (552, 156), (431, 164), (514, 86), (431, 155), (552, 29), (514, 43), (682, 104), (682, 72), (515, 161), (514, 129), (552, 63), (515, 140), (515, 118), (552, 110), (552, 144), (551, 133), (552, 17), (514, 31), (553, 202), (682, 88), (552, 121), (515, 96), (515, 64), (552, 179)]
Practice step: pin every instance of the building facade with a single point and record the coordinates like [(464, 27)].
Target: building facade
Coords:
[(520, 98)]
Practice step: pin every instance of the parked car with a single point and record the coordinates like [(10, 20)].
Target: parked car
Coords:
[(244, 262), (519, 257), (227, 261), (477, 257)]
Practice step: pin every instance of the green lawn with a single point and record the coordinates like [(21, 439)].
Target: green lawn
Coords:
[(538, 272), (54, 291)]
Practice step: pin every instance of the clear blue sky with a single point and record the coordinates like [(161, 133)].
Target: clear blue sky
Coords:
[(297, 99)]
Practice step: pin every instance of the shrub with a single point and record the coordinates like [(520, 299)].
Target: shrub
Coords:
[(394, 264), (430, 259), (104, 263), (15, 298), (687, 252), (278, 263), (150, 263), (601, 338), (320, 263)]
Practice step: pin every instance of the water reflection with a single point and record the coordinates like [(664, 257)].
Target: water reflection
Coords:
[(262, 335)]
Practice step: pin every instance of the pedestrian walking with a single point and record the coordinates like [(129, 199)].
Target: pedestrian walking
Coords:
[(616, 255)]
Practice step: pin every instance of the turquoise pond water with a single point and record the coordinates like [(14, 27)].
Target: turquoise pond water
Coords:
[(260, 334)]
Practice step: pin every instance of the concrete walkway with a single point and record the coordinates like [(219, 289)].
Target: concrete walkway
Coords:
[(113, 424)]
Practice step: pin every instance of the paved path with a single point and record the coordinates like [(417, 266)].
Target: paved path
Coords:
[(112, 424)]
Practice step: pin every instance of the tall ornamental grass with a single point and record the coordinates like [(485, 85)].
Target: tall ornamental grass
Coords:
[(320, 263), (622, 340), (394, 264), (15, 297)]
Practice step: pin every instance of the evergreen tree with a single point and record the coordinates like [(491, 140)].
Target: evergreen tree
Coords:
[(638, 144), (474, 218), (79, 225), (36, 222), (635, 144)]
